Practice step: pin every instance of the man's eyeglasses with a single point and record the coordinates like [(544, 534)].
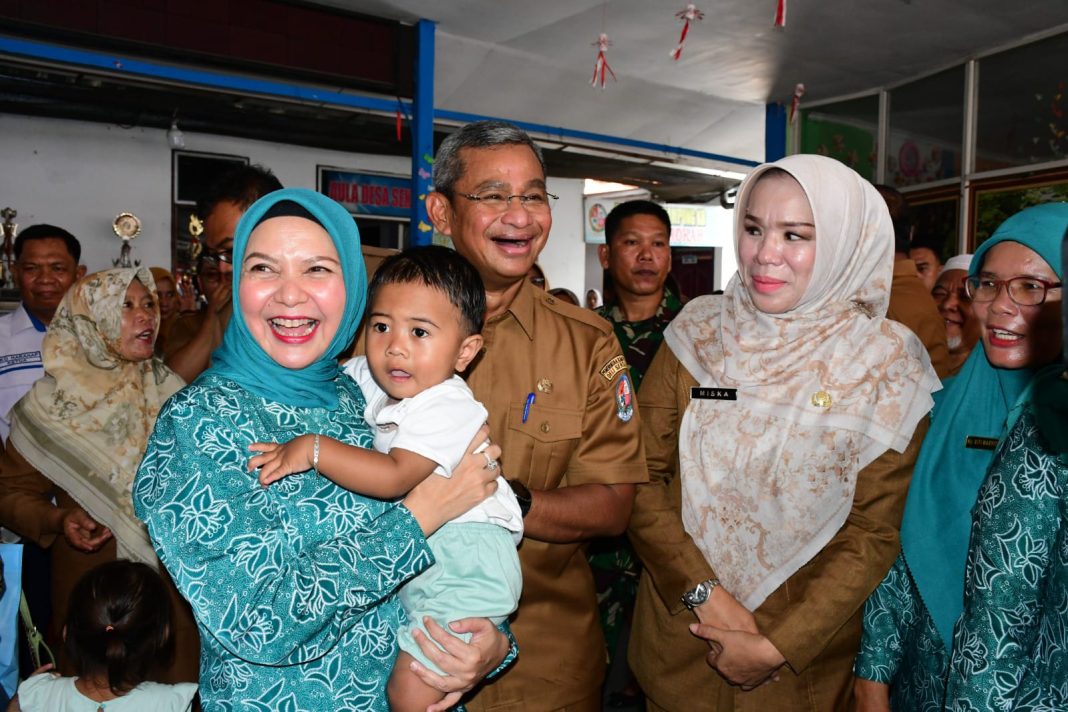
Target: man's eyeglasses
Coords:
[(1025, 291), (534, 201), (218, 257)]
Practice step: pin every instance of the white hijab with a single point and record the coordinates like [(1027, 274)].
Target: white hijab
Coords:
[(822, 391)]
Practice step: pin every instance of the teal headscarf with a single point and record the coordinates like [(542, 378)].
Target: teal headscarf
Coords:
[(979, 401), (1050, 390), (240, 359)]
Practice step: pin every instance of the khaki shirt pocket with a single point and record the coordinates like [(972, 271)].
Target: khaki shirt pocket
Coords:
[(538, 451)]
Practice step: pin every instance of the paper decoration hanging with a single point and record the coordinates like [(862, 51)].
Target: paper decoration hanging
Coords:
[(780, 14), (600, 67), (401, 116), (690, 14)]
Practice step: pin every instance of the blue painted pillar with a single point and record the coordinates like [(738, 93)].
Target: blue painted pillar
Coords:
[(422, 132), (774, 132)]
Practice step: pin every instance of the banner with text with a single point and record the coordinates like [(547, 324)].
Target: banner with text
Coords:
[(367, 193)]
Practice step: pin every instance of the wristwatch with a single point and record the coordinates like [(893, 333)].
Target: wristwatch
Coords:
[(522, 495), (699, 593)]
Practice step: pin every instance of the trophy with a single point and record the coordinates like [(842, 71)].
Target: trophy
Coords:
[(7, 259), (127, 226)]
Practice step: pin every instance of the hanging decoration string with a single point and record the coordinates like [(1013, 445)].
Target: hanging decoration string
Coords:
[(690, 14), (600, 67)]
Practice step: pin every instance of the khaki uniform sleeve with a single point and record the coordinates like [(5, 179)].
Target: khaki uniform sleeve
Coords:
[(932, 333), (26, 498), (669, 554), (610, 449), (912, 305), (829, 590)]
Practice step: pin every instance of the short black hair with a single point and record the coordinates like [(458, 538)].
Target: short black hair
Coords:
[(242, 186), (119, 624), (934, 244), (900, 216), (630, 209), (48, 232), (440, 268)]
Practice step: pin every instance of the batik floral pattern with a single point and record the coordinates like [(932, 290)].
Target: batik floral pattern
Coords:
[(901, 646), (1011, 643), (291, 585)]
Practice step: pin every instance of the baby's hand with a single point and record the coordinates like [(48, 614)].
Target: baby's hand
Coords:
[(277, 461)]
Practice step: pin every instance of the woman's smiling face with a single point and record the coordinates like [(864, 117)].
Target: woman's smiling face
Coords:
[(777, 244), (291, 290), (1016, 336)]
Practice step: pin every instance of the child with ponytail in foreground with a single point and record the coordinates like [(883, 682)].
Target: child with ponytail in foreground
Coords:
[(117, 630)]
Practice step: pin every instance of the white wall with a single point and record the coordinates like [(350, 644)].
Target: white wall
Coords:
[(80, 175), (564, 258)]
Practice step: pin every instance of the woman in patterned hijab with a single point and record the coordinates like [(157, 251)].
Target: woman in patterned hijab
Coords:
[(78, 435), (780, 427), (84, 425)]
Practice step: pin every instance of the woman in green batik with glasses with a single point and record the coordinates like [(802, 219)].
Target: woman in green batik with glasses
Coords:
[(1015, 286)]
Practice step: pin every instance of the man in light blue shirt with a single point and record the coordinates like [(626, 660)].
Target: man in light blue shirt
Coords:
[(46, 264)]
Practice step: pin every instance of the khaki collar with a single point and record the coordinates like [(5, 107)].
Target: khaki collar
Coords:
[(906, 268), (522, 308)]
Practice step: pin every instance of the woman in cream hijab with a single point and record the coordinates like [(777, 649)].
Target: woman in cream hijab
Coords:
[(80, 432), (780, 428)]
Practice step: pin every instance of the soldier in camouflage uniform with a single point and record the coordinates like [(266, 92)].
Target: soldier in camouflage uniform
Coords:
[(637, 256)]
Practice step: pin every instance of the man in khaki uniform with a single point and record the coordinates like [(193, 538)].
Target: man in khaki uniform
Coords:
[(561, 405), (911, 302)]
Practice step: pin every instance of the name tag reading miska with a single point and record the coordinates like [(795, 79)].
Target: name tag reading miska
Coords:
[(699, 393)]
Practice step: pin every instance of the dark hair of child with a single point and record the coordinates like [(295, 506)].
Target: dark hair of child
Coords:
[(439, 268), (118, 626)]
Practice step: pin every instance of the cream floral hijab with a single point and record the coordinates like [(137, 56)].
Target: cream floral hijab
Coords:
[(84, 425), (822, 391)]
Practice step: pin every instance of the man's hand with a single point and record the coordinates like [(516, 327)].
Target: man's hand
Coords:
[(83, 532), (220, 298), (464, 664)]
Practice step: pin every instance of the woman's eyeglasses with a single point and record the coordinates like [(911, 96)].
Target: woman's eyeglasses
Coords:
[(1024, 291), (534, 201)]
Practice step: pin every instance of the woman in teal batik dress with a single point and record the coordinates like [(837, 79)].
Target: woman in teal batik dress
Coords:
[(292, 585), (904, 658), (1010, 650)]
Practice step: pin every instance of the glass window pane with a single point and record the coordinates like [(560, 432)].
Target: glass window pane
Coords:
[(846, 130), (926, 127), (936, 221), (997, 200), (1023, 106)]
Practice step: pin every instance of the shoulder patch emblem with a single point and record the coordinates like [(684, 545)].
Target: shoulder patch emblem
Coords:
[(610, 369), (624, 398)]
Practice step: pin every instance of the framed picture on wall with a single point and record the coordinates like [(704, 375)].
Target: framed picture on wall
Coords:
[(995, 200)]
